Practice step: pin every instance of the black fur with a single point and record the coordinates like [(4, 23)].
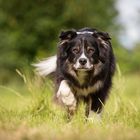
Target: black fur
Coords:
[(103, 53)]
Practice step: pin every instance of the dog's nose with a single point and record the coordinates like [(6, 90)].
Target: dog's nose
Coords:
[(82, 61)]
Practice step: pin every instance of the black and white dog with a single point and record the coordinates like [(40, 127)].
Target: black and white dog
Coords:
[(84, 67)]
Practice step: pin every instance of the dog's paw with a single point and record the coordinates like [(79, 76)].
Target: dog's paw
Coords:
[(65, 95)]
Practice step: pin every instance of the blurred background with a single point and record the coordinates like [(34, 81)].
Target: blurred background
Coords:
[(29, 31)]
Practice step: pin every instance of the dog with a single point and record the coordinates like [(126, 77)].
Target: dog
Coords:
[(84, 67)]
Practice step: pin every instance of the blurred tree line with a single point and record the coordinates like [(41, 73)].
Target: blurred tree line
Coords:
[(29, 29)]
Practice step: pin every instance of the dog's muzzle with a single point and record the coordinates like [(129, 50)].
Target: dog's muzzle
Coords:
[(83, 64)]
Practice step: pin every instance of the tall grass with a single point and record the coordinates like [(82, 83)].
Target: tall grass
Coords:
[(29, 113)]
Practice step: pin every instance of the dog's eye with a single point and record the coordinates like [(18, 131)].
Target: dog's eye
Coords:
[(75, 50), (90, 50)]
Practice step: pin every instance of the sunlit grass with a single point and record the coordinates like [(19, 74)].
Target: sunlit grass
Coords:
[(29, 113)]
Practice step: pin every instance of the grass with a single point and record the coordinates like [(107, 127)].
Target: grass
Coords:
[(28, 113)]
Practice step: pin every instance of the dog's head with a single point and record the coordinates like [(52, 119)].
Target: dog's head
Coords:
[(84, 49)]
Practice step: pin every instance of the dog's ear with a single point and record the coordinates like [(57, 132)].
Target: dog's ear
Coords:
[(104, 45), (67, 35), (102, 35), (103, 38)]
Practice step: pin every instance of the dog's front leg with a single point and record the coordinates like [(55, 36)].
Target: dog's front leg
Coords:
[(66, 96), (95, 111)]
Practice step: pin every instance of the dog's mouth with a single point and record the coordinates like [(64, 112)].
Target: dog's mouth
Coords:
[(83, 68)]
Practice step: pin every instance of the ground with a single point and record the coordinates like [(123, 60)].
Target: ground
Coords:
[(27, 113)]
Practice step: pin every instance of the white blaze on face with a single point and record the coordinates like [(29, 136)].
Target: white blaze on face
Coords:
[(83, 55), (87, 65)]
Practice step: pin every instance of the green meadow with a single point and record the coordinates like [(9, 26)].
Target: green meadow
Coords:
[(27, 112)]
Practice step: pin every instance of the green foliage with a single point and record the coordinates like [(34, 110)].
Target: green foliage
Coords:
[(128, 60), (29, 29)]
